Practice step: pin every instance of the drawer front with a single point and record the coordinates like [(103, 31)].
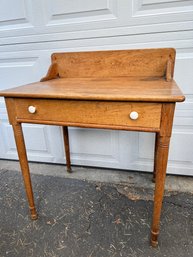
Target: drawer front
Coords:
[(89, 112)]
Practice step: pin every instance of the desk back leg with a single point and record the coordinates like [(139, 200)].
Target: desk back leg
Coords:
[(155, 156), (21, 149), (161, 159), (67, 148)]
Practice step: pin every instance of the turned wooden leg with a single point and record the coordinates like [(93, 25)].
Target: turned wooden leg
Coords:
[(155, 156), (161, 159), (19, 139), (161, 166), (67, 148)]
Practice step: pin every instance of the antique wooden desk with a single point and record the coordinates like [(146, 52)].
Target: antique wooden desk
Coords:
[(123, 90)]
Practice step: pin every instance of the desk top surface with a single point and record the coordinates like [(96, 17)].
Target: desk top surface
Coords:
[(147, 89)]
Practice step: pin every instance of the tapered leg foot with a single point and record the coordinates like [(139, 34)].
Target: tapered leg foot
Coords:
[(69, 170), (33, 213), (154, 239)]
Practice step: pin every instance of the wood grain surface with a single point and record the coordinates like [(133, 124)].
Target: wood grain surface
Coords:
[(89, 112), (109, 89), (146, 62)]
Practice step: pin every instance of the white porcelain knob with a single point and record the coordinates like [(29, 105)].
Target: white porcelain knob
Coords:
[(134, 115), (32, 109)]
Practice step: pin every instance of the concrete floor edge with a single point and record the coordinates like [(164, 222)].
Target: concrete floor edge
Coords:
[(131, 179)]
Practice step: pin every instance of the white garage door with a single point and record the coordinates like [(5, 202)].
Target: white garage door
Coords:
[(30, 30)]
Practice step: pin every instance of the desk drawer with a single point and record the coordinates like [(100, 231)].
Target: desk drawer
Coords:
[(74, 112)]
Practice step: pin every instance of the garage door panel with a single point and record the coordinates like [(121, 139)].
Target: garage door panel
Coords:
[(31, 30)]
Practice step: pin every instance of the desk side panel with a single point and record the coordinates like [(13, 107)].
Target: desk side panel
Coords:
[(11, 110)]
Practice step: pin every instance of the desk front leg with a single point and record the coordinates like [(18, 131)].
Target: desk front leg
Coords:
[(21, 149), (161, 166), (161, 159)]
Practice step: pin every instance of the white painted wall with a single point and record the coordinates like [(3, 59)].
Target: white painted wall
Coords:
[(30, 30)]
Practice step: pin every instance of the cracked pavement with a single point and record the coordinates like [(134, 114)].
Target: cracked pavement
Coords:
[(86, 219)]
